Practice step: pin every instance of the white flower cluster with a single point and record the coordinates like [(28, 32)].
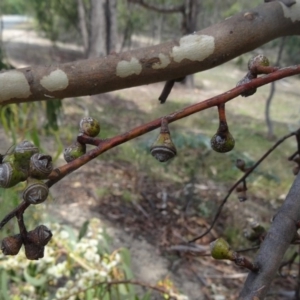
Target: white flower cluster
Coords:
[(77, 264)]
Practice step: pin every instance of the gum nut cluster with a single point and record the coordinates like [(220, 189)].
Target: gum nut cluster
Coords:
[(88, 126)]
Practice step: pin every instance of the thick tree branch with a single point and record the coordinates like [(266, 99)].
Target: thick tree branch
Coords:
[(190, 54), (279, 237)]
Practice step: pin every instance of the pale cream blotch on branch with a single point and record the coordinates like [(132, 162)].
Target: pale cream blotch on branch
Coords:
[(164, 62), (194, 47), (13, 84), (126, 68), (292, 12), (56, 81)]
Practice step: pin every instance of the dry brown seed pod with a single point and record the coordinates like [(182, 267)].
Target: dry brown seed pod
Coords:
[(40, 236), (34, 252), (11, 245)]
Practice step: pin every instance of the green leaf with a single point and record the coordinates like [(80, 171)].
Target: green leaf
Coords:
[(147, 296), (71, 232), (83, 230), (89, 294), (4, 285), (53, 108), (34, 136), (35, 281), (125, 254)]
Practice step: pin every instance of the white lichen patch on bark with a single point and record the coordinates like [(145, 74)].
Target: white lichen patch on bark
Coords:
[(56, 81), (164, 61), (126, 68), (292, 12), (194, 47), (13, 84)]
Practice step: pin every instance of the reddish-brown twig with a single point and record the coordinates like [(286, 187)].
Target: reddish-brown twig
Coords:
[(18, 210), (104, 145)]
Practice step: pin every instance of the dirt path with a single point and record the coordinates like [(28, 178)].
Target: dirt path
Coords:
[(147, 263)]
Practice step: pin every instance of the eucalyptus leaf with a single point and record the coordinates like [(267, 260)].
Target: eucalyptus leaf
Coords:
[(83, 230), (35, 281)]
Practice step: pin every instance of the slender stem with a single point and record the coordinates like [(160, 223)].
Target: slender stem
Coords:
[(222, 113), (19, 209)]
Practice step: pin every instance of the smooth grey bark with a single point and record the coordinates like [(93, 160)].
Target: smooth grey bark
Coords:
[(112, 26), (97, 42), (189, 25), (83, 25), (274, 246)]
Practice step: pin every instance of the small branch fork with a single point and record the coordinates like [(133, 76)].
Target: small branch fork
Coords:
[(104, 145)]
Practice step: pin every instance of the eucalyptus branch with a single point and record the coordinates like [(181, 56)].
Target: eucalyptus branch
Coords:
[(190, 54), (104, 145)]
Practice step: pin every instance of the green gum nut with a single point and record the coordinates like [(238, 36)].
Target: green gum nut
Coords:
[(222, 141), (74, 151), (258, 60), (11, 174), (89, 126), (220, 249), (163, 148), (23, 152), (246, 80), (9, 158)]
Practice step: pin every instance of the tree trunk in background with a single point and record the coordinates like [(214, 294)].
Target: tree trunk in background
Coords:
[(112, 26), (189, 25), (83, 25), (97, 42), (103, 27), (189, 20)]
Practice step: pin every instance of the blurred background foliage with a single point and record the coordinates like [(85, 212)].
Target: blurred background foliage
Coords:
[(58, 20)]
